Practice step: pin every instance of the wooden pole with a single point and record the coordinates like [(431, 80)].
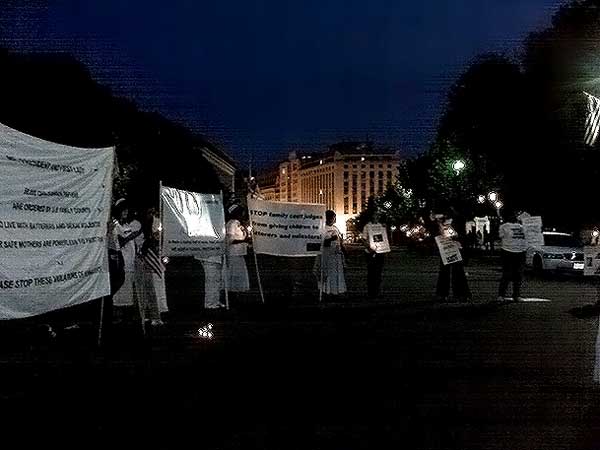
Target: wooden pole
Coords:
[(260, 289)]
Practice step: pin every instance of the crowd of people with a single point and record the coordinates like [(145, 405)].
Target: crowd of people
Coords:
[(138, 273)]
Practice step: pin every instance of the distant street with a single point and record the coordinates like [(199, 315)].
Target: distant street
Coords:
[(400, 372)]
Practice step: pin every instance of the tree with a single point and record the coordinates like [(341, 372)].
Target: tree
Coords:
[(53, 96)]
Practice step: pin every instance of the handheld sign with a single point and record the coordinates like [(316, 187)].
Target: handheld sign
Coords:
[(449, 250), (532, 226), (378, 239), (591, 255)]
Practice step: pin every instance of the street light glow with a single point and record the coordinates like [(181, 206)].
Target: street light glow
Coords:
[(458, 166), (499, 204), (493, 196), (481, 199)]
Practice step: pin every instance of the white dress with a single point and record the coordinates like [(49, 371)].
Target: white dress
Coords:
[(213, 281), (334, 282), (124, 296), (237, 272)]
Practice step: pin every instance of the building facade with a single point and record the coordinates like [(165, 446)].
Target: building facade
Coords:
[(343, 178)]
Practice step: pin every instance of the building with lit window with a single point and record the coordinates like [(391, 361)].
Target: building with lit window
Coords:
[(342, 178)]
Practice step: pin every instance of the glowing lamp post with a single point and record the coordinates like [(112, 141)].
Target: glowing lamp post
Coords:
[(458, 166), (498, 204), (481, 199), (492, 196)]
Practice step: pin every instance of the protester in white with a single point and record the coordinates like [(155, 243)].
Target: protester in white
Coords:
[(514, 247), (237, 248), (150, 273), (332, 258), (213, 281), (129, 234)]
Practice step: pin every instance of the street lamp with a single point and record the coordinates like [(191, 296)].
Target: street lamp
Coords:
[(458, 166), (492, 196), (481, 199)]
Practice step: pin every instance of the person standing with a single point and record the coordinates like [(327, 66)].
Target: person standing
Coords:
[(375, 240), (236, 239), (455, 271), (150, 269), (332, 258), (213, 281), (130, 237), (513, 249)]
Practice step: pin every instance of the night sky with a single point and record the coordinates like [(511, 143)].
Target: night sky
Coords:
[(265, 77)]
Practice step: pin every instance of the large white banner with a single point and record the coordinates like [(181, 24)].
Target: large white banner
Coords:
[(54, 209), (286, 229), (194, 224)]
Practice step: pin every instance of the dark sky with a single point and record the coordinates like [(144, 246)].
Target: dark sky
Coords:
[(274, 75)]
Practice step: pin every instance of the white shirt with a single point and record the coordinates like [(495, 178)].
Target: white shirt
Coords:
[(129, 250), (513, 237), (234, 231), (375, 236)]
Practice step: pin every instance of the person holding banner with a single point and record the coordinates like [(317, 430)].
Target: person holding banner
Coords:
[(375, 240), (150, 270), (129, 235), (213, 281), (236, 238), (514, 247), (332, 270)]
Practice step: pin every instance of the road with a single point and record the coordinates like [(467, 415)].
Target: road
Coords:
[(400, 372)]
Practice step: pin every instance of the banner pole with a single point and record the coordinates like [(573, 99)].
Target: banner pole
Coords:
[(110, 184), (101, 321), (321, 281), (160, 212), (260, 289)]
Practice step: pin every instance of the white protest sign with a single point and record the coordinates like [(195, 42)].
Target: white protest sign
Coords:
[(532, 226), (591, 256), (194, 224), (286, 229), (449, 250), (378, 238), (54, 210)]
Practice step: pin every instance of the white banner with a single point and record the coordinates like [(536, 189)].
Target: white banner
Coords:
[(54, 209), (532, 226), (591, 256), (449, 250), (286, 229), (194, 224)]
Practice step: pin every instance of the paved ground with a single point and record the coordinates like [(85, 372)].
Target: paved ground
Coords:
[(401, 372)]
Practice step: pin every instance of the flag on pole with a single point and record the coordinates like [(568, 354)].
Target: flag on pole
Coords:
[(154, 262), (592, 121)]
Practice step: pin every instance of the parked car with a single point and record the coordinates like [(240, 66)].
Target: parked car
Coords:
[(561, 252)]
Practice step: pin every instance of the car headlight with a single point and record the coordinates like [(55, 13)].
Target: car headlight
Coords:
[(553, 256)]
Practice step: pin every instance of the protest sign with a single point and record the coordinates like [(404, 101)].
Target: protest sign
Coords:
[(54, 210), (532, 226), (194, 224), (449, 250), (378, 238), (591, 256), (286, 229)]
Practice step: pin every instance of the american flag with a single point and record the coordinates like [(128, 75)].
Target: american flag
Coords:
[(154, 262), (592, 121)]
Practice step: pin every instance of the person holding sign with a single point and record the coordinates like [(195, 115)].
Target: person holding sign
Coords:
[(514, 246), (375, 239), (332, 258), (451, 262), (236, 238)]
